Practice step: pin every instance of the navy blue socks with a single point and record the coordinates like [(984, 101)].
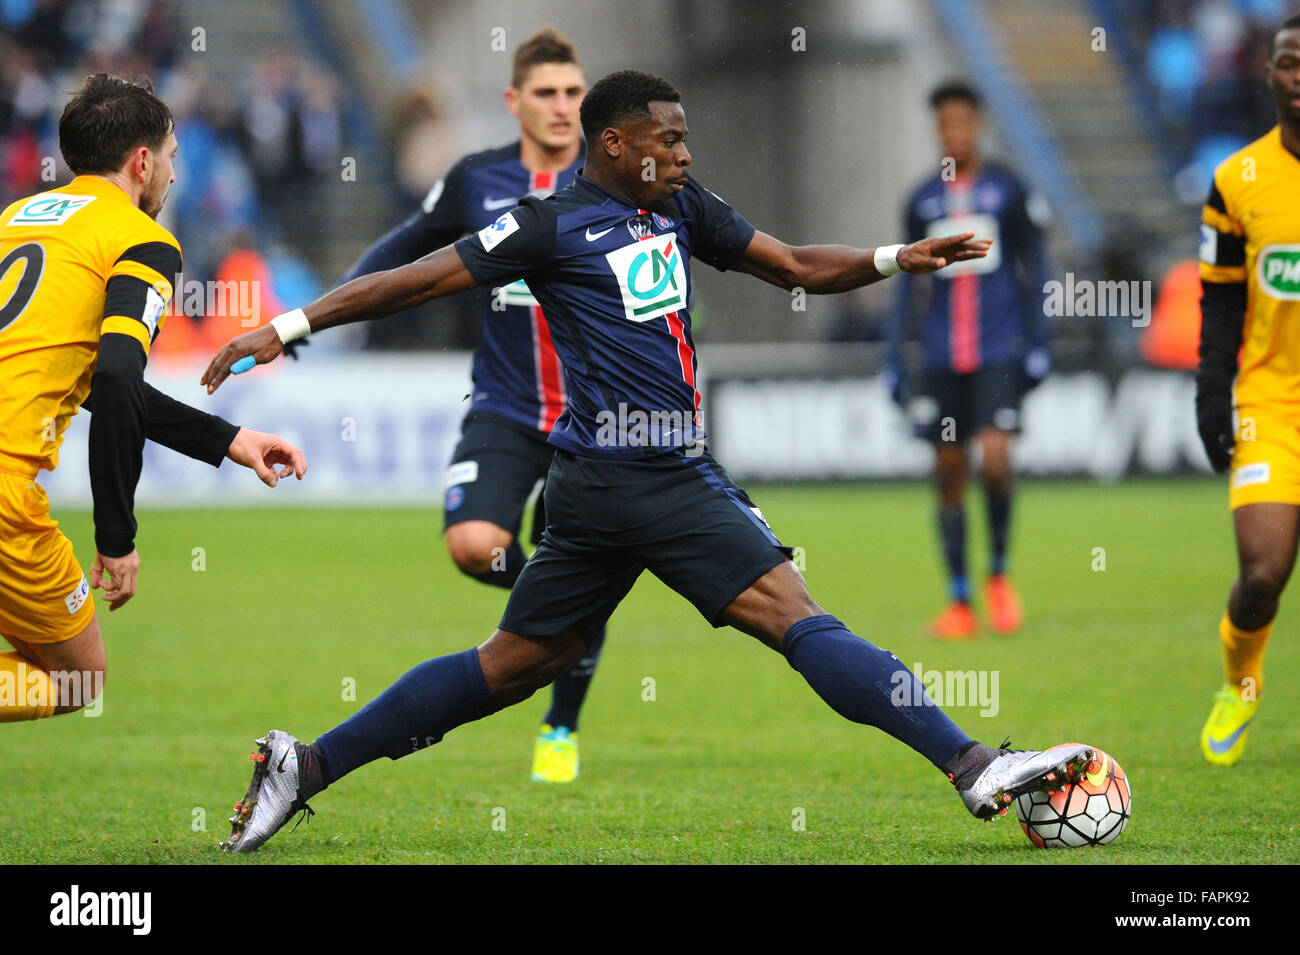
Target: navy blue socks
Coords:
[(999, 505), (426, 703), (952, 535), (866, 684), (860, 681)]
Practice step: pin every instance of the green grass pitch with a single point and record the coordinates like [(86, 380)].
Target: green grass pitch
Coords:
[(293, 604)]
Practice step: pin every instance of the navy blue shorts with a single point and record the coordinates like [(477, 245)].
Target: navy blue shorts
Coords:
[(680, 517), (494, 468), (952, 408)]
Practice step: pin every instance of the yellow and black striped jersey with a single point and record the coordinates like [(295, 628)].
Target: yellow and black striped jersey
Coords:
[(1250, 233), (75, 262)]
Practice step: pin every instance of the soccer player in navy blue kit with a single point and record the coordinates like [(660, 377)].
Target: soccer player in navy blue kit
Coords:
[(518, 382), (631, 487), (984, 337)]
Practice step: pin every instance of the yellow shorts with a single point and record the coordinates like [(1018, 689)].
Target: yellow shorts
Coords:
[(1265, 459), (44, 597)]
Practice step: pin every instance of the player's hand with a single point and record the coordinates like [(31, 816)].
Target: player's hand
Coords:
[(265, 452), (117, 575), (930, 255), (262, 343), (1214, 422)]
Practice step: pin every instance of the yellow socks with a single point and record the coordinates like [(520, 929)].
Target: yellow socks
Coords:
[(1243, 657), (26, 692)]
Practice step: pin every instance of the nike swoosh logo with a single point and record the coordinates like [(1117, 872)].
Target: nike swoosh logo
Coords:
[(491, 205), (1221, 746), (593, 238), (283, 757)]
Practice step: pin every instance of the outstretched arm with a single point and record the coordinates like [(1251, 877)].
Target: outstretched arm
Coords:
[(210, 438), (175, 425), (825, 269), (372, 296)]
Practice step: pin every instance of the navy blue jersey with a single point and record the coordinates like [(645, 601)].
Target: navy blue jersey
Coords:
[(615, 283), (516, 372), (984, 311)]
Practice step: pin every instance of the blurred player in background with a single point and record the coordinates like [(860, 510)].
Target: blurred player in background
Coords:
[(518, 380), (85, 277), (984, 341), (1250, 303), (609, 259)]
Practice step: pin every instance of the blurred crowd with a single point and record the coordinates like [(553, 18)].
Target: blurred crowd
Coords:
[(1204, 60), (254, 150)]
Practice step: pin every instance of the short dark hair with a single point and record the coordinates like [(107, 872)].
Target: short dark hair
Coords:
[(622, 96), (1292, 23), (107, 118), (545, 46), (956, 90)]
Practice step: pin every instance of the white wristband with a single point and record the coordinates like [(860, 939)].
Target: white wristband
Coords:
[(887, 259), (291, 326)]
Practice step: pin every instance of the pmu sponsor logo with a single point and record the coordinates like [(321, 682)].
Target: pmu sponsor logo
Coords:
[(74, 907), (1278, 271), (651, 277), (946, 688)]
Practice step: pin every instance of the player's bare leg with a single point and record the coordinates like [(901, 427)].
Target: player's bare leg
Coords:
[(477, 547), (868, 685), (516, 667), (1267, 534), (951, 474), (75, 670), (772, 605), (1002, 603)]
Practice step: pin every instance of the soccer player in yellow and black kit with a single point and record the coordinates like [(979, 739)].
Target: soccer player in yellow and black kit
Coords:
[(85, 276), (1250, 303)]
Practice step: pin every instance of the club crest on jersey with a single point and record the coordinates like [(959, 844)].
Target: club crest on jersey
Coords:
[(640, 228), (662, 222), (651, 277)]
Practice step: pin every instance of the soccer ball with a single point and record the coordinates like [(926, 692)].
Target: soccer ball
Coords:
[(1091, 812)]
